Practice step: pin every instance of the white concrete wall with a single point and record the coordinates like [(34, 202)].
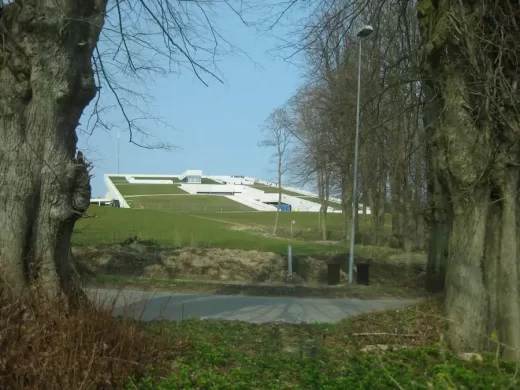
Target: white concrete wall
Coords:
[(132, 180), (191, 172), (113, 192), (194, 188), (233, 180), (295, 202), (249, 202)]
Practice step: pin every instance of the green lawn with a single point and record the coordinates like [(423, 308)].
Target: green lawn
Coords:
[(148, 189), (118, 179), (306, 225), (114, 225), (334, 205), (204, 203), (271, 190), (302, 220), (205, 180)]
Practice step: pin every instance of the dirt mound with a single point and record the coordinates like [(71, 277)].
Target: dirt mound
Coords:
[(199, 264), (230, 265)]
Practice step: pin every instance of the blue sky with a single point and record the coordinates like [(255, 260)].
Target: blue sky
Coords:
[(216, 127)]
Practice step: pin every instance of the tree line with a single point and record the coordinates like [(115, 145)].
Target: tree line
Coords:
[(439, 136), (439, 150)]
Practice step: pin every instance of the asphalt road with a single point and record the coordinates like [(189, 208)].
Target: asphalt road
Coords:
[(174, 307)]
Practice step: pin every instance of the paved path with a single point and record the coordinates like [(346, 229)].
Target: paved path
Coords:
[(151, 306)]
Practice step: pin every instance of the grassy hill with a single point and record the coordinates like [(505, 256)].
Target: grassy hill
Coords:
[(177, 202), (114, 225)]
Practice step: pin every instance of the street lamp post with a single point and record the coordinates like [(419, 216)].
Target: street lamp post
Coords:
[(365, 31)]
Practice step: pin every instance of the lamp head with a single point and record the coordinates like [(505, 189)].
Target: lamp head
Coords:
[(365, 31)]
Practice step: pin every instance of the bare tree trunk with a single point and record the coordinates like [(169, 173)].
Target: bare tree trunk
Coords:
[(325, 203), (46, 80), (323, 198), (419, 185), (275, 229), (347, 206), (365, 201), (356, 222), (507, 295), (381, 216), (396, 209), (408, 229), (373, 216)]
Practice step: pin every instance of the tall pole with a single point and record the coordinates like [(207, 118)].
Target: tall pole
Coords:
[(118, 152), (354, 182)]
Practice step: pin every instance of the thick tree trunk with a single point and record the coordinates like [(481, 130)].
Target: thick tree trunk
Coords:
[(508, 307), (438, 221), (466, 297), (474, 126), (46, 80)]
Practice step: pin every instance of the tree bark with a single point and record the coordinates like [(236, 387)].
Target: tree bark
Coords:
[(437, 215), (46, 80), (508, 307), (474, 126), (325, 202), (466, 297)]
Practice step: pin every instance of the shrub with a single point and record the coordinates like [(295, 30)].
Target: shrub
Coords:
[(48, 347)]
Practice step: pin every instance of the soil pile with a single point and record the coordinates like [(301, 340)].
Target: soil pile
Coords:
[(192, 263), (137, 259)]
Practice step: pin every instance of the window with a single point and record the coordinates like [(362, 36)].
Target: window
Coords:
[(194, 179)]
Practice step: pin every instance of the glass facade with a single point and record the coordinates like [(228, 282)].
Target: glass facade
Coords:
[(193, 179)]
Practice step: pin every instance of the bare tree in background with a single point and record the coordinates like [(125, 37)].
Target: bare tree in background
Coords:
[(469, 77), (55, 55), (312, 161), (277, 135)]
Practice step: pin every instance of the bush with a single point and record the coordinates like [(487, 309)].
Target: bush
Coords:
[(47, 347)]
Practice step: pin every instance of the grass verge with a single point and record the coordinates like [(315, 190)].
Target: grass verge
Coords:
[(233, 355)]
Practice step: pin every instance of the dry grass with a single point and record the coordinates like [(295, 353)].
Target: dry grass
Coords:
[(415, 326), (48, 347)]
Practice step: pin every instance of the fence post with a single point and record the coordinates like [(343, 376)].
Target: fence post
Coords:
[(289, 259)]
